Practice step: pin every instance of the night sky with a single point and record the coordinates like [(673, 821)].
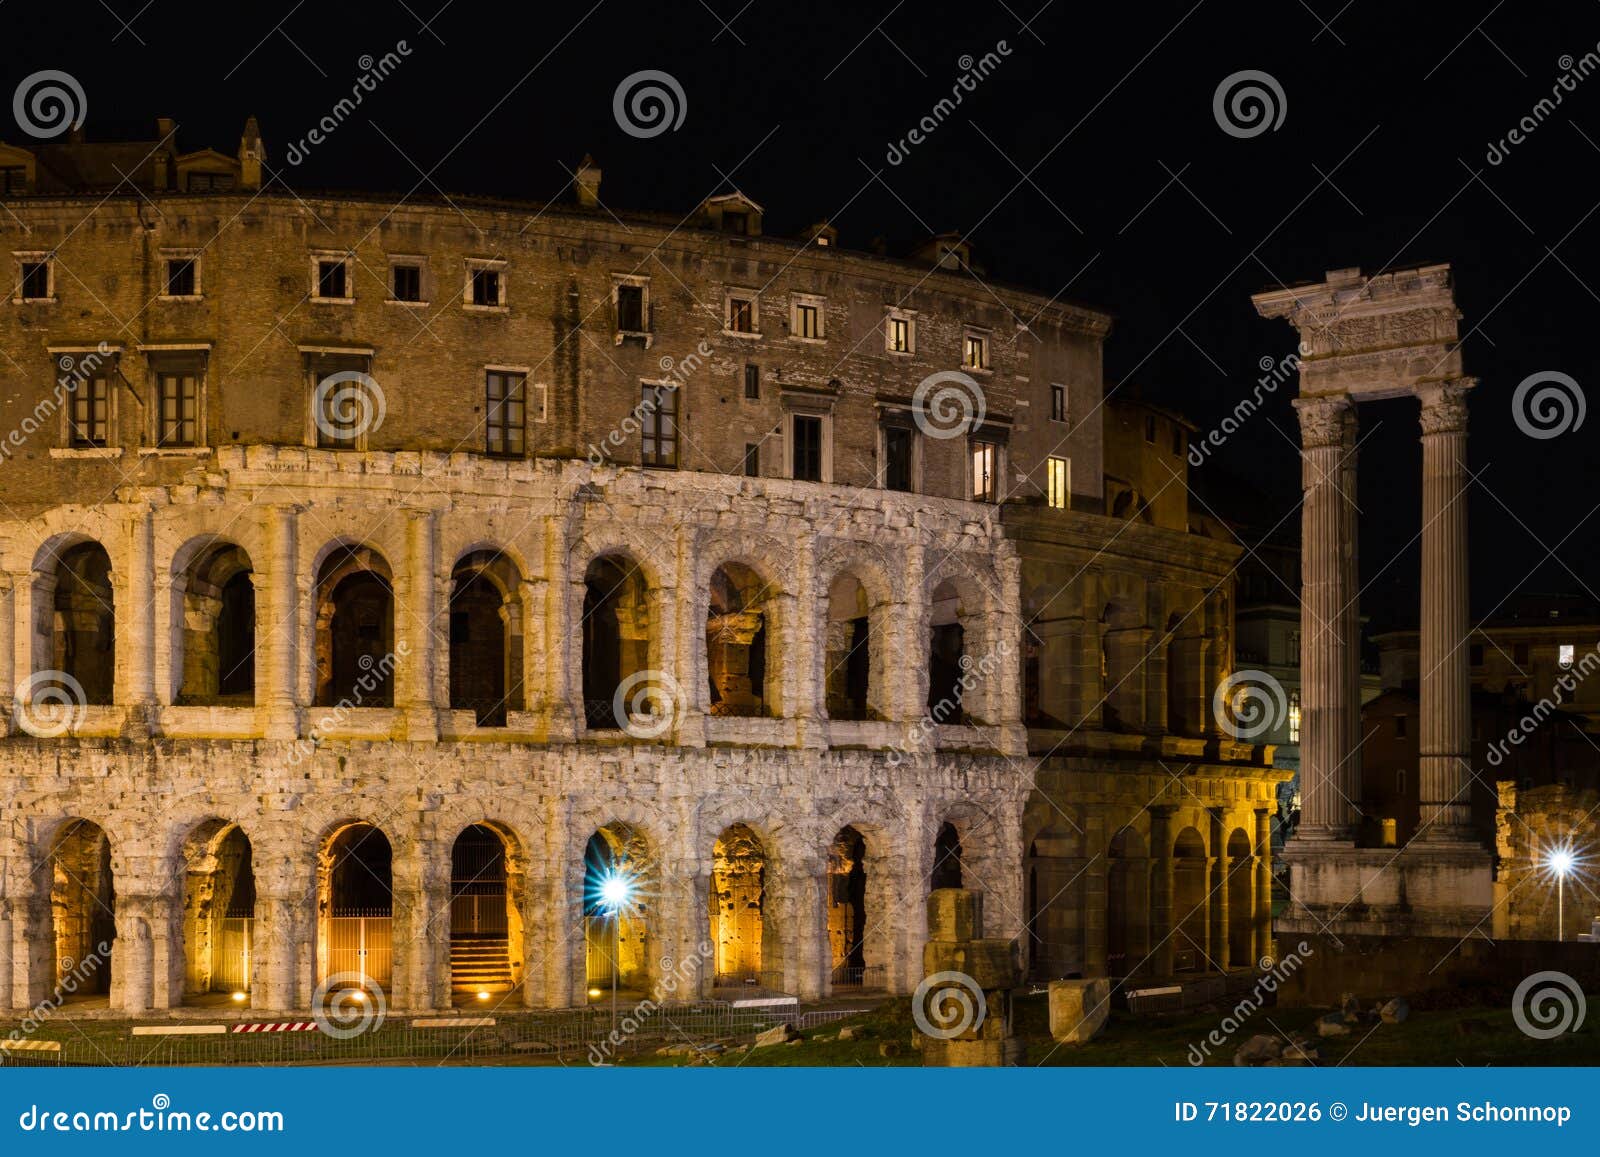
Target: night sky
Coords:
[(1088, 163)]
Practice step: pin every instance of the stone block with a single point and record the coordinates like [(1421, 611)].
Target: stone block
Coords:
[(990, 963), (1078, 1009), (955, 914)]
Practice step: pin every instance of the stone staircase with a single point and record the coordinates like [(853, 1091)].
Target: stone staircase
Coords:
[(480, 964)]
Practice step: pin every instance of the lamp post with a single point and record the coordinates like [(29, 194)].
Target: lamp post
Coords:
[(1560, 862), (615, 891)]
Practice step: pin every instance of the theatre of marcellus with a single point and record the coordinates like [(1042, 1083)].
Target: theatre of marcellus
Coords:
[(376, 579)]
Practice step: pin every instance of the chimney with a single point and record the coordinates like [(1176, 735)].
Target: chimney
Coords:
[(252, 156), (165, 127), (587, 182)]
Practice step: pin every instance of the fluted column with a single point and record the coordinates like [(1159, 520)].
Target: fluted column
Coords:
[(1330, 769), (1446, 726)]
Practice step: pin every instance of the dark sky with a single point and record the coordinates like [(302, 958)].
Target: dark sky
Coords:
[(1089, 161)]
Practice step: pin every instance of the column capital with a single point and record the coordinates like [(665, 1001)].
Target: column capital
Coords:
[(1444, 406), (1324, 419)]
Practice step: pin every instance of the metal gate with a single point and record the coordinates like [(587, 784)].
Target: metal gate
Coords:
[(361, 944), (230, 954)]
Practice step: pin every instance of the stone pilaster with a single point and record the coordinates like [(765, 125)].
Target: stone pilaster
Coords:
[(8, 671), (1261, 887), (139, 667), (1163, 929), (283, 622), (422, 588), (1445, 735)]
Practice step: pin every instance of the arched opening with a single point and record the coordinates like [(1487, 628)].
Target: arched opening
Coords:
[(219, 901), (947, 652), (355, 630), (737, 636), (355, 903), (83, 637), (218, 604), (83, 910), (1127, 903), (486, 675), (850, 647), (616, 634), (1241, 917), (485, 925), (617, 887), (1189, 907), (946, 858), (847, 908), (738, 903)]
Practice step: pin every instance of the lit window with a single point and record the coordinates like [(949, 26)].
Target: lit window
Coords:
[(506, 410), (180, 409), (1058, 471), (658, 423), (1294, 717), (897, 335), (976, 352), (91, 412), (1566, 655), (985, 472), (807, 321), (741, 313)]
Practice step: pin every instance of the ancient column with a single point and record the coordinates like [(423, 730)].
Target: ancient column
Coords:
[(1261, 889), (1218, 887), (1330, 770), (140, 667), (1446, 729), (282, 624), (422, 713), (8, 664), (1163, 930)]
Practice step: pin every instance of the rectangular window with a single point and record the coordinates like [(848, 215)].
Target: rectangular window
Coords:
[(210, 182), (1292, 649), (341, 409), (658, 423), (179, 412), (752, 459), (630, 308), (897, 458), (985, 471), (736, 223), (752, 381), (1058, 473), (976, 355), (91, 412), (407, 282), (13, 181), (506, 413), (332, 279), (36, 280), (898, 335), (742, 314), (485, 287), (183, 277), (806, 448), (807, 321), (1294, 717), (1058, 403)]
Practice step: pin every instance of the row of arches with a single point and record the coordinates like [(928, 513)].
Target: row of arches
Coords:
[(750, 625)]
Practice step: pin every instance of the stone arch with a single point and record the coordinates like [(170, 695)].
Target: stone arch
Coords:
[(947, 871), (355, 907), (855, 683), (486, 637), (620, 938), (1241, 915), (847, 909), (1127, 902), (1122, 644), (82, 909), (213, 624), (488, 874), (1189, 901), (216, 923), (965, 658), (744, 939), (75, 600), (618, 642), (354, 647), (947, 655), (743, 632)]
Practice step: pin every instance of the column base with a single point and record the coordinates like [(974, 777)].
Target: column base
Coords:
[(1423, 889)]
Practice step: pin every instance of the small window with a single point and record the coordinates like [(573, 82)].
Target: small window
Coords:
[(332, 279), (733, 222), (13, 181), (1564, 655), (1058, 474), (1150, 430), (630, 308), (752, 381), (407, 282), (210, 182), (658, 423), (1399, 726), (506, 414), (898, 449), (897, 335), (1058, 403), (742, 314), (1294, 717), (179, 412), (752, 459), (806, 448), (808, 320), (985, 472), (35, 285), (183, 277), (486, 287), (91, 413), (976, 356)]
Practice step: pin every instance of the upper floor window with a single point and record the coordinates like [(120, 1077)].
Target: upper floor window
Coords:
[(178, 415), (752, 381), (1294, 717), (506, 413), (210, 182), (35, 277), (1150, 430), (807, 319), (1058, 403), (975, 351), (1292, 649), (1058, 473), (899, 458), (987, 462), (90, 424), (632, 310), (13, 180), (899, 331), (658, 424), (405, 281), (752, 459), (346, 404), (1180, 444), (332, 278), (741, 312), (805, 447), (486, 284), (182, 275)]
